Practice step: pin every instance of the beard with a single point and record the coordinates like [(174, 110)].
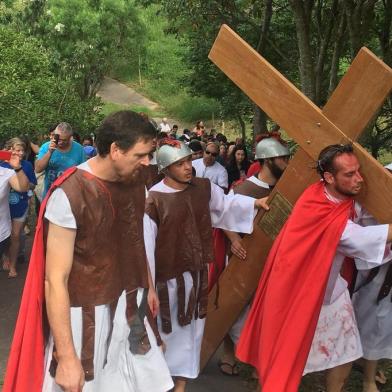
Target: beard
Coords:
[(275, 169), (346, 192)]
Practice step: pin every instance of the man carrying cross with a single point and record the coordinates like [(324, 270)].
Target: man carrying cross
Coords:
[(302, 303)]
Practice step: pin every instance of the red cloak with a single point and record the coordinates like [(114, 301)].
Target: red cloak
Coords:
[(278, 333), (25, 368)]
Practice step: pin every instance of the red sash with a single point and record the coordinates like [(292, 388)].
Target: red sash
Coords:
[(279, 330), (25, 368)]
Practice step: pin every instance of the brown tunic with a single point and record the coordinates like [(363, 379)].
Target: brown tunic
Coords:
[(109, 253), (183, 243)]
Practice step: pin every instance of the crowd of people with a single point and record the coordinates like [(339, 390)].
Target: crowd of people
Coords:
[(125, 247), (41, 165)]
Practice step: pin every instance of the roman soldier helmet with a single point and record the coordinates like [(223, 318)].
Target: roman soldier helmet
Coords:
[(270, 148), (171, 151)]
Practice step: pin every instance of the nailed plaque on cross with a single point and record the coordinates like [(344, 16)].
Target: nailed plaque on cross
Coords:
[(356, 100)]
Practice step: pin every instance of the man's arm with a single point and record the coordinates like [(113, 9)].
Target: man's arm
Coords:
[(19, 181), (42, 163), (59, 258)]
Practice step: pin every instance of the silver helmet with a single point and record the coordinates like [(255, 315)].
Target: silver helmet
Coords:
[(171, 152), (270, 148)]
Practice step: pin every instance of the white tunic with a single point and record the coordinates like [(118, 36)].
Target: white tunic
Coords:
[(183, 344), (216, 173), (123, 371), (236, 329), (374, 320), (336, 340)]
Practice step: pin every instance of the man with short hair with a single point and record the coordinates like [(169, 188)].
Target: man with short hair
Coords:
[(302, 313), (197, 149), (58, 155), (100, 299), (208, 167), (164, 126), (180, 213)]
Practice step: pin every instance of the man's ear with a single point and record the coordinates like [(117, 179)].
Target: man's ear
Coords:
[(329, 178), (114, 151)]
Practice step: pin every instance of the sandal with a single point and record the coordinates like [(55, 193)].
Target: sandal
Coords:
[(12, 275), (233, 372)]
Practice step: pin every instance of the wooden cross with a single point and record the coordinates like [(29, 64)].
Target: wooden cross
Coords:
[(353, 104)]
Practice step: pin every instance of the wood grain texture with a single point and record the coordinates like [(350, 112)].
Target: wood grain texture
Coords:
[(300, 117), (359, 95)]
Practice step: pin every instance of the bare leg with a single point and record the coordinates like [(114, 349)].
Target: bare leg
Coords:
[(179, 385), (369, 376), (337, 377), (228, 361), (14, 246)]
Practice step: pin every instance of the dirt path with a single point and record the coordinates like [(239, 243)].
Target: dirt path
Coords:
[(113, 91), (116, 92)]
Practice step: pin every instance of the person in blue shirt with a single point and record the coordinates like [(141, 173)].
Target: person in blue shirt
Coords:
[(58, 155), (18, 203)]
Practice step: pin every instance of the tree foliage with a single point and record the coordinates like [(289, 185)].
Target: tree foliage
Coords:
[(89, 38), (309, 41), (32, 96)]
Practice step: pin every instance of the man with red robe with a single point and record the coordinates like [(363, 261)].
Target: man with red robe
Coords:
[(302, 313), (89, 259)]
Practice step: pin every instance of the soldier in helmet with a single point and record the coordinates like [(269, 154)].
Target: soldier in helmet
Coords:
[(273, 156), (180, 213)]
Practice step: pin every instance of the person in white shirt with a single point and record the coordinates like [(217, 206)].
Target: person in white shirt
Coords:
[(164, 126), (10, 178), (208, 167)]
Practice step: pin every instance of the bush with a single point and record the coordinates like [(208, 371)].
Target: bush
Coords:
[(32, 97)]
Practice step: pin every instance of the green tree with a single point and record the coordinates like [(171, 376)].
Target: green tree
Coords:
[(32, 96), (88, 38)]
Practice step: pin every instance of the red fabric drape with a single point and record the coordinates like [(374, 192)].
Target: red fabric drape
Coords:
[(217, 267), (25, 368), (279, 330)]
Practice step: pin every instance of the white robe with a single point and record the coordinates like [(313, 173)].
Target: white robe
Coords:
[(336, 340), (374, 320), (237, 327), (123, 371), (183, 344)]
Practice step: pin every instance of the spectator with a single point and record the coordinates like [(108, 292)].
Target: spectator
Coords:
[(12, 176), (207, 167), (88, 141), (199, 128), (173, 132), (59, 154), (18, 204), (197, 149), (164, 126), (222, 157), (238, 164)]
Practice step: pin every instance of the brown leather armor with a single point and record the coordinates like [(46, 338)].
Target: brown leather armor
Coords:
[(183, 243), (249, 188), (109, 253)]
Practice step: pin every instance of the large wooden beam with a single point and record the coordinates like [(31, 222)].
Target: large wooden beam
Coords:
[(239, 281), (300, 117)]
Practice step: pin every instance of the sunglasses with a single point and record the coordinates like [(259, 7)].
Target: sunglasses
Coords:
[(214, 154)]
